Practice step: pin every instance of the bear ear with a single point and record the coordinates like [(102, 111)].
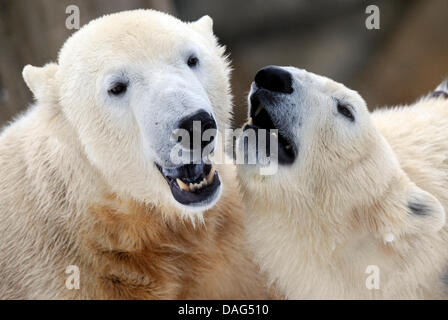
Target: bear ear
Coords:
[(440, 91), (40, 80), (426, 213), (205, 24)]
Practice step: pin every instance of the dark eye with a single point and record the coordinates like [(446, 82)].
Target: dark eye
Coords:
[(345, 111), (118, 89), (192, 61)]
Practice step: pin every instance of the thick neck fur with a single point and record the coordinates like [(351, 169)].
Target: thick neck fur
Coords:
[(322, 222), (319, 197), (118, 243)]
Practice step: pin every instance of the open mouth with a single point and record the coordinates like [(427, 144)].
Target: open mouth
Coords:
[(260, 119), (194, 185)]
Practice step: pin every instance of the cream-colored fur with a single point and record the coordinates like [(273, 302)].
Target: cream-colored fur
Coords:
[(316, 226), (77, 189)]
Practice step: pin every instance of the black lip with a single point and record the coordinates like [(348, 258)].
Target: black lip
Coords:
[(191, 173), (264, 121)]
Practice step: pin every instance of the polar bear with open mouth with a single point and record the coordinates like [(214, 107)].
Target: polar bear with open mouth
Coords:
[(92, 204), (357, 207)]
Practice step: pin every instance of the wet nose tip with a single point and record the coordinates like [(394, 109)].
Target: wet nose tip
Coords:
[(274, 79), (196, 124)]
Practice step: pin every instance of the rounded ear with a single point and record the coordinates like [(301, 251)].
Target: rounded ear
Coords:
[(440, 91), (426, 213), (204, 24), (41, 80)]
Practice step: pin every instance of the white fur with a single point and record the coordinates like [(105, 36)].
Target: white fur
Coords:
[(78, 144), (343, 205)]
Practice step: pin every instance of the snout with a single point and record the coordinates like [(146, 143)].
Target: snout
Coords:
[(195, 183), (269, 110), (275, 79)]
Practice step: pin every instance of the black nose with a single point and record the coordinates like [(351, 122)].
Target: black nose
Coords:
[(196, 125), (274, 79)]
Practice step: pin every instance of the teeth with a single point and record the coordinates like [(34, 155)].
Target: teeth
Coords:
[(182, 185), (210, 176), (249, 122), (260, 107), (195, 186)]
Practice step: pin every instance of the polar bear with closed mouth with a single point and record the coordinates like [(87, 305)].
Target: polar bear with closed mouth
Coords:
[(92, 204), (357, 207)]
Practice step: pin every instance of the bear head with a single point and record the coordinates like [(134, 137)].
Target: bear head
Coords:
[(333, 163), (127, 83)]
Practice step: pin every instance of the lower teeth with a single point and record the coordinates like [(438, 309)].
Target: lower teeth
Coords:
[(249, 122), (192, 187), (210, 175), (182, 185)]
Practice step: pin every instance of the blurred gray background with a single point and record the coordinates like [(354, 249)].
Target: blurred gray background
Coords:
[(406, 58)]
